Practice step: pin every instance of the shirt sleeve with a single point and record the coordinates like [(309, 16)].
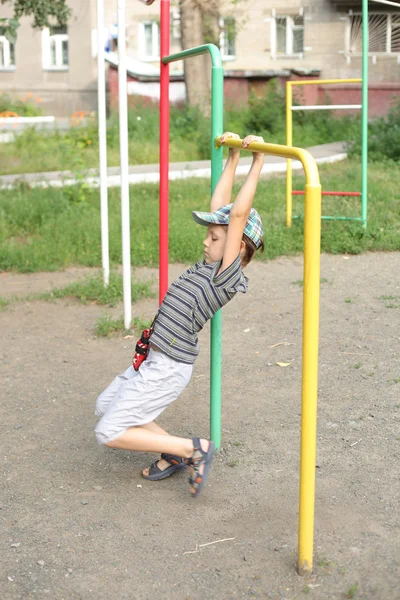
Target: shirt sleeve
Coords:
[(232, 278)]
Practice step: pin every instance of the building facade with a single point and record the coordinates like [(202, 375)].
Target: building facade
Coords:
[(259, 39)]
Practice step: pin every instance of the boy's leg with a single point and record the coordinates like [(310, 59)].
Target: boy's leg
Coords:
[(155, 428), (144, 440), (161, 463)]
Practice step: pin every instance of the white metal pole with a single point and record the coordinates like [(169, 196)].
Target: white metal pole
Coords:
[(388, 2), (101, 118), (123, 145)]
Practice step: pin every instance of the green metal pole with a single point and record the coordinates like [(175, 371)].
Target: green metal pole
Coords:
[(217, 123), (364, 115), (211, 48)]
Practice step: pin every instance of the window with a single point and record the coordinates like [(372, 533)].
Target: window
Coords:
[(7, 52), (287, 36), (55, 48), (383, 34), (149, 40), (227, 39)]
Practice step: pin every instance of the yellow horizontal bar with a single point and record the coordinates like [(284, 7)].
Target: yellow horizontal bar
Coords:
[(323, 81), (306, 159)]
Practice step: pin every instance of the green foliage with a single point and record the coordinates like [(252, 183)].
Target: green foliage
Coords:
[(92, 289), (190, 136), (41, 11), (266, 113), (3, 303), (41, 229), (383, 137), (352, 591), (106, 326), (24, 107)]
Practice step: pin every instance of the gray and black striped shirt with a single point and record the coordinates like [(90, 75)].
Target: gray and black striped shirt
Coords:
[(190, 302)]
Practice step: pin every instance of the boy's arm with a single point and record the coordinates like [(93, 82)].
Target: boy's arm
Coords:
[(222, 194), (241, 208)]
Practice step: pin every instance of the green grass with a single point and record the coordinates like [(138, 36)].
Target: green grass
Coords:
[(91, 290), (190, 132), (352, 591), (3, 303), (107, 326), (389, 301), (44, 229)]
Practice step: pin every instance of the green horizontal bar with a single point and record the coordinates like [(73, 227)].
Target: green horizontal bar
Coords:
[(334, 218), (211, 48)]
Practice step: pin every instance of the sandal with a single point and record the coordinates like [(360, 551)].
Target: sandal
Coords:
[(200, 458), (177, 463)]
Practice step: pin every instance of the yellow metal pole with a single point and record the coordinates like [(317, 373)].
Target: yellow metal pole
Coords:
[(325, 81), (289, 142), (312, 235)]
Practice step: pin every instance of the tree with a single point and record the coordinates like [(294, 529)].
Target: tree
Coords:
[(42, 12), (199, 25)]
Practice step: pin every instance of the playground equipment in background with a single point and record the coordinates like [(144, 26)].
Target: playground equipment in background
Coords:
[(289, 141)]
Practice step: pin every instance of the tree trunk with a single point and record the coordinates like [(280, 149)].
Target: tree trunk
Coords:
[(197, 69)]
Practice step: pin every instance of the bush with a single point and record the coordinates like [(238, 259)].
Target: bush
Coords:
[(266, 114), (25, 107), (383, 137)]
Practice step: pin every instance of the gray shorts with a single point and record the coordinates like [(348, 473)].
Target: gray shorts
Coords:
[(139, 397)]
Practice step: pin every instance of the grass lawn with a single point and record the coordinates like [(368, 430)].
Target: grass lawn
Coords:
[(49, 230)]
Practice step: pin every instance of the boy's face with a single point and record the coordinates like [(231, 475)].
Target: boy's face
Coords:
[(214, 243)]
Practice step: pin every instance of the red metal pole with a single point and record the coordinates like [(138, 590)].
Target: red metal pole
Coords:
[(164, 146)]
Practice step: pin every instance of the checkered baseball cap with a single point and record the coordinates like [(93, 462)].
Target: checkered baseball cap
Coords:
[(253, 229)]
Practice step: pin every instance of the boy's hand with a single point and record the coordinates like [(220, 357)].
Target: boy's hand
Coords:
[(259, 156), (229, 135)]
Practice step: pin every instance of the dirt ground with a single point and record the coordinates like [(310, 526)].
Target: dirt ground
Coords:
[(78, 521)]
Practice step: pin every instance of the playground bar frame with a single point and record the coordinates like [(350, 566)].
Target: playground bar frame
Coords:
[(102, 125), (124, 162), (364, 114), (289, 141), (217, 116), (327, 107), (164, 147), (312, 251)]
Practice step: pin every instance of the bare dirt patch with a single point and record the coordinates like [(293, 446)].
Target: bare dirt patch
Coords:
[(79, 522)]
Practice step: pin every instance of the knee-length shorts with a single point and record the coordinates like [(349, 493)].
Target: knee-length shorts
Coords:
[(138, 397)]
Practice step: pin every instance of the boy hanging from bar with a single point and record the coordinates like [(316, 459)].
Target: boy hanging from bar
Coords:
[(130, 405)]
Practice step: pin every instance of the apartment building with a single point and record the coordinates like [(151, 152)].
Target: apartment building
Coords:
[(259, 39)]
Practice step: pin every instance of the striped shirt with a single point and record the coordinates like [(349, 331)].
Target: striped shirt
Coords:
[(190, 302)]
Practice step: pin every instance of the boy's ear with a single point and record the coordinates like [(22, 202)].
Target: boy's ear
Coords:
[(242, 247)]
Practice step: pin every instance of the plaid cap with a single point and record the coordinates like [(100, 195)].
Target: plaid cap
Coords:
[(253, 229)]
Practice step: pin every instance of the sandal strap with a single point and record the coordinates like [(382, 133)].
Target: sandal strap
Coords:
[(172, 458)]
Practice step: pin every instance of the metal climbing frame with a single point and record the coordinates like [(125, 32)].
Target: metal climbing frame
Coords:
[(217, 116), (312, 237), (289, 141)]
